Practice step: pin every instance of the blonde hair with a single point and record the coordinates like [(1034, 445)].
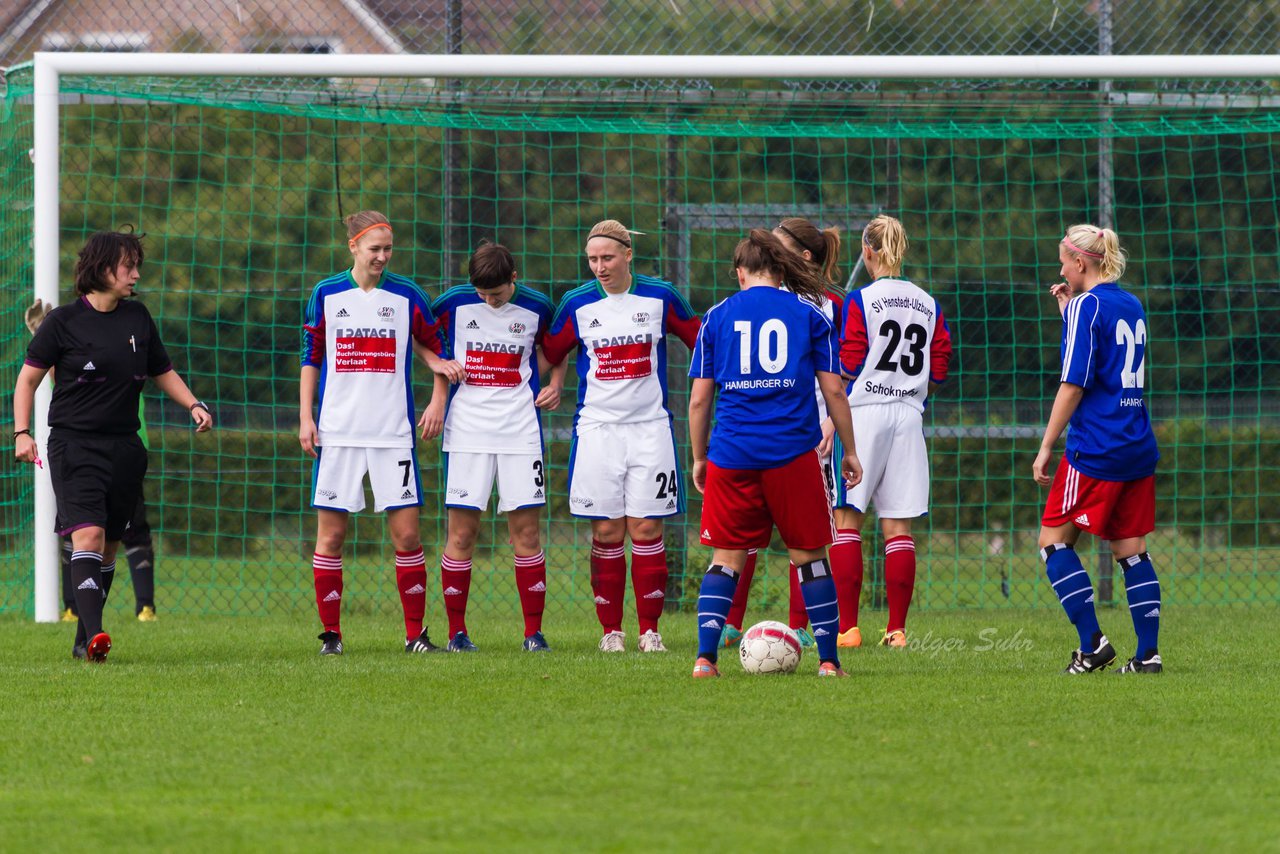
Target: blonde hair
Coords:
[(613, 230), (888, 238), (823, 244), (1100, 246), (362, 221)]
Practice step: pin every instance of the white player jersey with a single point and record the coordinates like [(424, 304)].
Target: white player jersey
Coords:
[(361, 342), (894, 343), (622, 356), (492, 411)]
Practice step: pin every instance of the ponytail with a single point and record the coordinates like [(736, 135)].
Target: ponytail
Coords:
[(886, 236), (823, 245), (762, 252)]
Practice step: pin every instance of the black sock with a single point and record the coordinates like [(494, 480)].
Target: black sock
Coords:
[(108, 576), (86, 578), (68, 589), (142, 569)]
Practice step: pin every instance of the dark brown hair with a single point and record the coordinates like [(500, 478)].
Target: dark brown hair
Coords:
[(762, 252), (102, 252), (491, 266), (823, 244)]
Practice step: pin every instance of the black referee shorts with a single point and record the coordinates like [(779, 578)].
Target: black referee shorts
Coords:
[(97, 481)]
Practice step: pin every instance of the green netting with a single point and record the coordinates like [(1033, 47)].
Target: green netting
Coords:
[(240, 187)]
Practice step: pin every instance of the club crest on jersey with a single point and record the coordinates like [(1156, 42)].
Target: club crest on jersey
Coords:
[(387, 312), (517, 328), (641, 318)]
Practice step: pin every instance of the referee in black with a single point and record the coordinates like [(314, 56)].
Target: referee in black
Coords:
[(102, 348)]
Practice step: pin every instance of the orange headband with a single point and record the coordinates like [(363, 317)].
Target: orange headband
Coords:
[(368, 228)]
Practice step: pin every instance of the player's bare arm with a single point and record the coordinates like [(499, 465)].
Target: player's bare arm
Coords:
[(431, 424), (24, 396), (549, 396), (701, 400), (171, 384), (832, 388), (1064, 406), (308, 435)]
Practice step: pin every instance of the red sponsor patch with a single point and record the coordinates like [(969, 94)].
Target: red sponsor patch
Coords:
[(624, 361), (367, 355), (493, 370)]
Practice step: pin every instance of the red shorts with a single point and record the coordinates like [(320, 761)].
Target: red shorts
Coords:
[(741, 506), (1110, 509)]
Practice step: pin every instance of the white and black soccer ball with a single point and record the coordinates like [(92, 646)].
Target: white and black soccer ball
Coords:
[(770, 647)]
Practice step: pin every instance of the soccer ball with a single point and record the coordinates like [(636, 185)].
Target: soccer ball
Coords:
[(769, 647)]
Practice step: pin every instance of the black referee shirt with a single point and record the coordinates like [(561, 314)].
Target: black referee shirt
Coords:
[(101, 361)]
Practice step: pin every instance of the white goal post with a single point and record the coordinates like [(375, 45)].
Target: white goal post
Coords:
[(50, 67)]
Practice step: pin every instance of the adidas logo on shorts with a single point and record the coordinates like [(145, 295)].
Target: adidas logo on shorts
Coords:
[(657, 594), (538, 588), (1082, 519), (706, 533), (417, 588), (594, 324), (408, 493), (88, 584), (538, 494), (600, 600), (342, 312), (333, 596), (710, 624), (473, 325), (671, 504)]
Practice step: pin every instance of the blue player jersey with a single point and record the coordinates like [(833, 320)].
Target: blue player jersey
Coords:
[(1104, 343), (763, 347)]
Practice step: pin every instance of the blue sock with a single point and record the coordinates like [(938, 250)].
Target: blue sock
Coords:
[(1143, 589), (714, 600), (1071, 582), (819, 592)]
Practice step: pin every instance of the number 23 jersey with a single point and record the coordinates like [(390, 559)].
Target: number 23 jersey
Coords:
[(895, 342)]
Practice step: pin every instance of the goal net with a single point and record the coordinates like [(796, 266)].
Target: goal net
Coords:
[(240, 180)]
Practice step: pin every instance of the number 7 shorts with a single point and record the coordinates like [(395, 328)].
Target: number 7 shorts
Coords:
[(469, 478), (618, 470), (338, 478)]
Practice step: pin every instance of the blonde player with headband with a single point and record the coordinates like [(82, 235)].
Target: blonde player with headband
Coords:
[(1105, 481), (896, 349), (623, 472), (361, 330)]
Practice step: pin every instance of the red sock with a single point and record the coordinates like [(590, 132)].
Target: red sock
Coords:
[(649, 580), (797, 616), (846, 571), (455, 581), (531, 580), (899, 578), (738, 610), (328, 575), (411, 580), (608, 582)]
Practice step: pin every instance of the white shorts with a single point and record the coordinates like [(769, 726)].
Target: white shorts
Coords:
[(522, 480), (895, 464), (338, 478), (618, 470)]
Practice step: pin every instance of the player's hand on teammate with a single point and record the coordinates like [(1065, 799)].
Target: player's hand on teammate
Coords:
[(1040, 468), (548, 398), (308, 436), (828, 437), (431, 424), (35, 314), (450, 369), (851, 468), (700, 475)]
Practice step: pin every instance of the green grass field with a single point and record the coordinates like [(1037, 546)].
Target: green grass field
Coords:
[(232, 734)]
